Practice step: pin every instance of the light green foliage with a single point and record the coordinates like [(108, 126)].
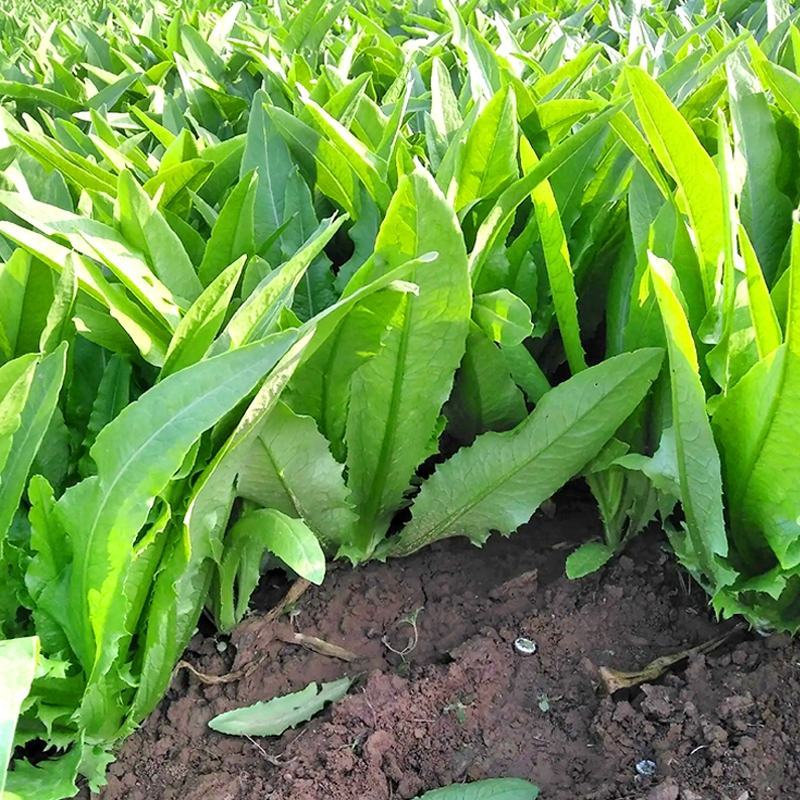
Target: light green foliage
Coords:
[(286, 281), (492, 789), (281, 713)]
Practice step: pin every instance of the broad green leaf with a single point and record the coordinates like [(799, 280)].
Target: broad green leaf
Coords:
[(764, 209), (170, 182), (259, 313), (288, 538), (113, 395), (489, 159), (281, 713), (370, 169), (144, 331), (321, 387), (144, 227), (289, 467), (265, 151), (558, 264), (332, 172), (503, 317), (756, 425), (40, 403), (527, 374), (58, 326), (201, 323), (51, 779), (765, 321), (396, 397), (497, 220), (258, 532), (484, 397), (80, 171), (98, 241), (498, 482), (683, 157), (39, 94), (698, 460), (233, 234), (444, 105), (18, 659), (15, 383)]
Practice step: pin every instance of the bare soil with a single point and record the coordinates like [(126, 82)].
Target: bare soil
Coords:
[(464, 705)]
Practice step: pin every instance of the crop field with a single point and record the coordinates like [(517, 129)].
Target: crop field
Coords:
[(399, 400)]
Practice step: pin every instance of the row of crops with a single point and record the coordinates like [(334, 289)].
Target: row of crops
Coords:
[(282, 284)]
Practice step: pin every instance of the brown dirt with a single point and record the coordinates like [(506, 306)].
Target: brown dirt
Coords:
[(463, 705)]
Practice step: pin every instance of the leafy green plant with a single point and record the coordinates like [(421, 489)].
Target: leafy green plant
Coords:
[(288, 283)]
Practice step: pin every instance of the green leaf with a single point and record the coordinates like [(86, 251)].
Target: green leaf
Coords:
[(491, 789), (145, 227), (697, 456), (498, 219), (396, 397), (370, 169), (265, 151), (330, 168), (484, 397), (58, 326), (677, 148), (288, 538), (289, 467), (257, 532), (764, 209), (755, 425), (170, 182), (762, 312), (233, 233), (26, 287), (201, 323), (498, 482), (557, 262), (144, 331), (588, 558), (503, 317), (35, 417), (52, 779), (321, 387), (18, 659), (527, 374), (281, 713), (259, 313), (99, 241), (489, 159)]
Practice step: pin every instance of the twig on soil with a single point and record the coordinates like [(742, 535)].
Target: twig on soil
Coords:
[(317, 645), (228, 677), (296, 591), (614, 680)]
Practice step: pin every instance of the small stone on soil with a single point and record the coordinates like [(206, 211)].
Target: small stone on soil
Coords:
[(646, 767), (524, 647)]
